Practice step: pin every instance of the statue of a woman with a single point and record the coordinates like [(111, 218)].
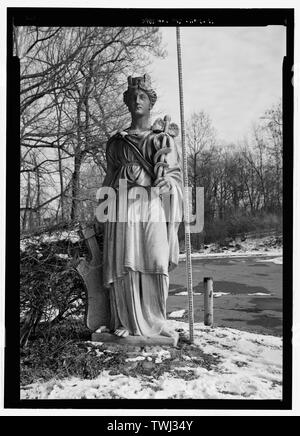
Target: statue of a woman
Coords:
[(138, 254)]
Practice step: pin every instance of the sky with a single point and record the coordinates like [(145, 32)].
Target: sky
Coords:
[(232, 73)]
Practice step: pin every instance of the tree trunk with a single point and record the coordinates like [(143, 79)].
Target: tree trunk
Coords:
[(25, 216), (38, 195), (61, 180), (76, 187)]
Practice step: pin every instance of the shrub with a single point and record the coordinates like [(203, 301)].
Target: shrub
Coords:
[(50, 287), (237, 224)]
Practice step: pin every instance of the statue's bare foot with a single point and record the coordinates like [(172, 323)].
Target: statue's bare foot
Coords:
[(102, 329), (122, 332)]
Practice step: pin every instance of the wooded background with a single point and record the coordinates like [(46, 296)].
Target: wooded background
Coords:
[(72, 84)]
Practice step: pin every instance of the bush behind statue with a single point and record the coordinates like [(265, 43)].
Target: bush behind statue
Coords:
[(50, 288)]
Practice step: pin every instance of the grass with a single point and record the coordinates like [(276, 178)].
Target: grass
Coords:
[(55, 356)]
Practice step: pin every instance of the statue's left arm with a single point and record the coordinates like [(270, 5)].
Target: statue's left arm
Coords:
[(171, 182), (172, 173)]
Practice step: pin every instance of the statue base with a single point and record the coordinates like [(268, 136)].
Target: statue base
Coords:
[(136, 341)]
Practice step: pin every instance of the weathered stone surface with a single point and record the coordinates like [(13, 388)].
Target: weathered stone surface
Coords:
[(148, 367), (98, 312), (136, 341)]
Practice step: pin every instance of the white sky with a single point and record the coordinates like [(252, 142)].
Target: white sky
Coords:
[(233, 73)]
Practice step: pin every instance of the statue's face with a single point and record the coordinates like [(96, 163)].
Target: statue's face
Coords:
[(138, 103)]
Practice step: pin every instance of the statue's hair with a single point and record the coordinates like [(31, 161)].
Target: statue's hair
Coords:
[(143, 83)]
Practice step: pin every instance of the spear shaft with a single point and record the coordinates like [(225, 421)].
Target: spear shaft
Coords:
[(186, 195)]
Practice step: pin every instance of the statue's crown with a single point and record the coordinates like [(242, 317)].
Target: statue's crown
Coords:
[(142, 81)]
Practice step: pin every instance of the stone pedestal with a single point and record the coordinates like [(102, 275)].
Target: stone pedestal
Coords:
[(136, 341)]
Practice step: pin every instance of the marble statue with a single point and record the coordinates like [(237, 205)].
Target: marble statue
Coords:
[(139, 253)]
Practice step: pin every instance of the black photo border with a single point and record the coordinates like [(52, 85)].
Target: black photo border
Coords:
[(139, 17)]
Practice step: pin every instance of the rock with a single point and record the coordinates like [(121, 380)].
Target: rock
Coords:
[(111, 347), (174, 353), (226, 242), (132, 354), (132, 365), (148, 367), (130, 349)]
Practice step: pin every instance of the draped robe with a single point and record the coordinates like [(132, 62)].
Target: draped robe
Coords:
[(139, 253)]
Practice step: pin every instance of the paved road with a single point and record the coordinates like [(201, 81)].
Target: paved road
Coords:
[(239, 277)]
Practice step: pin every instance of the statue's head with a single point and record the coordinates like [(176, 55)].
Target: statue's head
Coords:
[(139, 86)]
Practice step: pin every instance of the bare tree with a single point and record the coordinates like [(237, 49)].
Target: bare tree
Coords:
[(201, 139), (72, 81)]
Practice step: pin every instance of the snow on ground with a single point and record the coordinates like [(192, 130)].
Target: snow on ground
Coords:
[(220, 294), (71, 235), (260, 294), (245, 366), (276, 260), (229, 253), (177, 313), (267, 246), (186, 293), (215, 295)]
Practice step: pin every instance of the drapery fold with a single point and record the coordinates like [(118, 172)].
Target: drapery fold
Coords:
[(140, 252)]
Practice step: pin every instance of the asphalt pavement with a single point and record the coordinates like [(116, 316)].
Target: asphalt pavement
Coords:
[(248, 293)]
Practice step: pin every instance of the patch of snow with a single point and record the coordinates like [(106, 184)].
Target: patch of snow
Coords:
[(236, 254), (162, 355), (54, 237), (94, 343), (50, 313), (260, 294), (185, 293), (220, 294), (186, 358), (135, 359), (63, 256), (61, 236), (177, 314), (276, 260)]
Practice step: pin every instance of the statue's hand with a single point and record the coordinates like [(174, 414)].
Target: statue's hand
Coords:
[(164, 184)]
